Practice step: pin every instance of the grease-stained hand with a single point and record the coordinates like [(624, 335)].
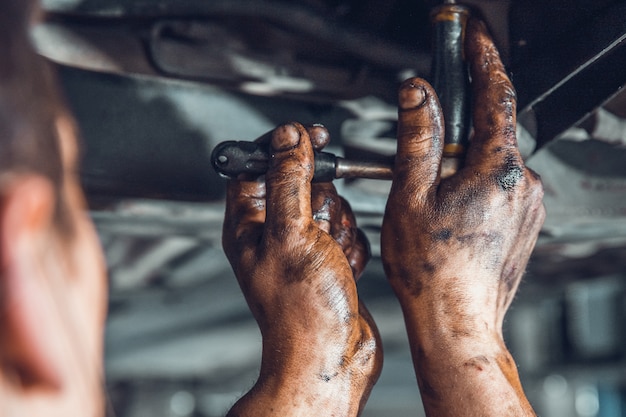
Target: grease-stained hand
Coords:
[(455, 249), (296, 252)]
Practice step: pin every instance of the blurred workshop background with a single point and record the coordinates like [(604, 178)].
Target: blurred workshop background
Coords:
[(156, 84)]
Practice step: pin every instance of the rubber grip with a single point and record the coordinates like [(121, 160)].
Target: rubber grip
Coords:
[(449, 74), (249, 160)]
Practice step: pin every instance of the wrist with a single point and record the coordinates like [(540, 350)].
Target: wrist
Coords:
[(485, 373), (317, 378), (454, 347), (302, 391), (449, 301), (443, 326)]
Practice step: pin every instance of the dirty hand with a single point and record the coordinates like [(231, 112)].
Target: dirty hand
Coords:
[(297, 253), (455, 249)]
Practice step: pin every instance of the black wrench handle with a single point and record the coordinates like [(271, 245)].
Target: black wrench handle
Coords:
[(249, 160)]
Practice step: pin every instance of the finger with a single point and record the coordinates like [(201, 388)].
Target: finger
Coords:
[(324, 198), (325, 204), (244, 215), (494, 96), (288, 180), (245, 202), (334, 215), (245, 211), (360, 254), (344, 228), (245, 197), (420, 136), (319, 136)]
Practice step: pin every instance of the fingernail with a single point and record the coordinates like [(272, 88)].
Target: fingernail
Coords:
[(285, 137), (412, 96)]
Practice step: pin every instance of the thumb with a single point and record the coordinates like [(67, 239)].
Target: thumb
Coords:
[(420, 137), (288, 180)]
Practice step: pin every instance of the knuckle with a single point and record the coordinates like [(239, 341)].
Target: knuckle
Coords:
[(542, 213), (489, 56), (538, 191), (509, 133), (510, 173), (505, 88), (535, 178), (535, 184), (426, 134), (506, 101)]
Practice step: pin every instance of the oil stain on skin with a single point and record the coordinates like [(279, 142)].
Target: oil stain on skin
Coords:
[(510, 174), (428, 267), (325, 210), (413, 285), (442, 235), (428, 392), (479, 363), (510, 277), (327, 377)]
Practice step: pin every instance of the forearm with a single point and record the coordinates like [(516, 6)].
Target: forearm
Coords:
[(304, 378), (296, 398), (300, 390), (462, 366), (474, 383)]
